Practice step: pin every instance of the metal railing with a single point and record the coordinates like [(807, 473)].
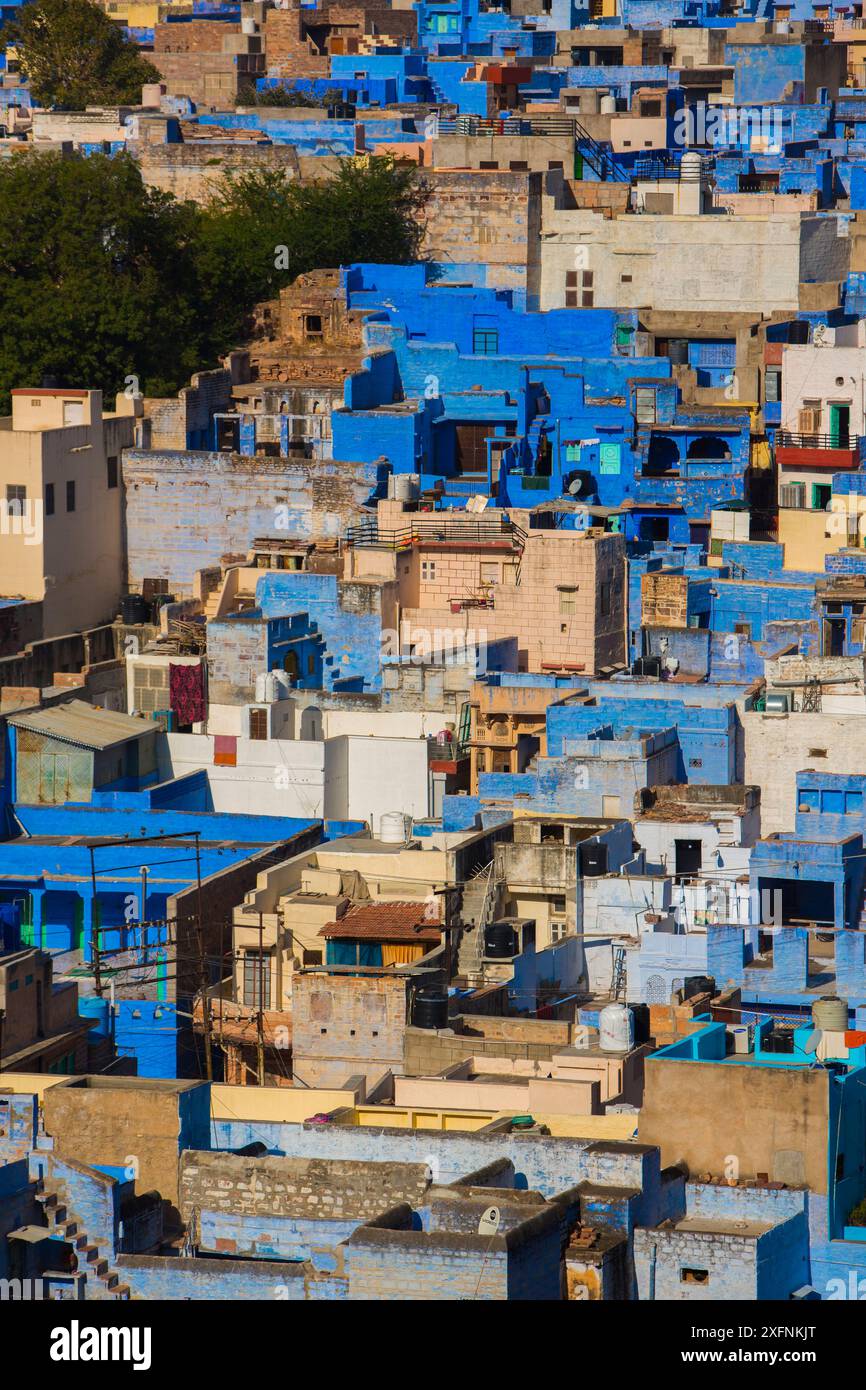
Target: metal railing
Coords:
[(433, 529), (791, 439), (507, 125)]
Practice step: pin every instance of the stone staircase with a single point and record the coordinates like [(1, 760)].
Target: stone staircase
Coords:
[(479, 897), (106, 1281)]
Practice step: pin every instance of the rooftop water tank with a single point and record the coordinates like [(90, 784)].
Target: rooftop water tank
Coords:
[(615, 1028), (691, 167), (394, 828), (282, 682), (500, 941), (404, 487), (830, 1013), (607, 105), (430, 1009)]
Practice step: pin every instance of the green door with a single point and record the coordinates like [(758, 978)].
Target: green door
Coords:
[(840, 419)]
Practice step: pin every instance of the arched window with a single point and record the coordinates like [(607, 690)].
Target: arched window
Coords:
[(709, 447)]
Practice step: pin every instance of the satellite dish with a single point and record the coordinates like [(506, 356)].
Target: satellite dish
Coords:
[(490, 1222), (813, 1042)]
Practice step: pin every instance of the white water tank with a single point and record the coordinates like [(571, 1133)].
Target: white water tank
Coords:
[(691, 167), (607, 105), (267, 688), (282, 683), (616, 1028), (394, 828), (249, 26), (404, 487), (830, 1013)]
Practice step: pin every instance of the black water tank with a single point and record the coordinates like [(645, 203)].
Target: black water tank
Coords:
[(254, 1150), (641, 1015), (134, 609), (500, 941), (430, 1009), (593, 859), (647, 666), (698, 984), (678, 352)]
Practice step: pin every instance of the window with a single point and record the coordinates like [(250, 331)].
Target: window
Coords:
[(817, 752), (567, 601), (485, 342), (557, 904), (112, 470), (696, 762), (16, 496), (558, 930), (258, 723), (625, 279), (773, 384), (604, 599), (518, 166), (428, 570), (257, 979), (49, 499), (792, 496), (694, 1276), (70, 496), (489, 572), (313, 325), (645, 405)]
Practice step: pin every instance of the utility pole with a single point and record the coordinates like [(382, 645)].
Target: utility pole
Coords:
[(94, 927), (203, 976), (260, 1020)]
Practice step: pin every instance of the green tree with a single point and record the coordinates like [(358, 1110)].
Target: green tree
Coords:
[(98, 277), (263, 228), (74, 56), (103, 278)]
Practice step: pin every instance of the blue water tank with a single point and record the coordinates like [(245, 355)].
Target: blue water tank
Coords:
[(100, 1009)]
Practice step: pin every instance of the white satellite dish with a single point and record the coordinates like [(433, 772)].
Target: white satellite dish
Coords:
[(490, 1222), (813, 1042)]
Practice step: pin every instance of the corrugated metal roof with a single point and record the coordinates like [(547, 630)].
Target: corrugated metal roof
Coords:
[(78, 722)]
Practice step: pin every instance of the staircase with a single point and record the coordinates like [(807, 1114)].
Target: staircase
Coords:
[(479, 900), (106, 1281), (213, 602), (599, 159)]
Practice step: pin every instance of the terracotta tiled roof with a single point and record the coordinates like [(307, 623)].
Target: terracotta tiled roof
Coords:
[(386, 922)]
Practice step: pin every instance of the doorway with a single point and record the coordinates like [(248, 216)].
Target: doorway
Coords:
[(687, 858), (840, 425)]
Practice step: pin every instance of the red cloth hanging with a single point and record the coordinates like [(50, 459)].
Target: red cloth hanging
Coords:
[(186, 693)]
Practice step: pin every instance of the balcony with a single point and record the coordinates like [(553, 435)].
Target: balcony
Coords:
[(833, 451)]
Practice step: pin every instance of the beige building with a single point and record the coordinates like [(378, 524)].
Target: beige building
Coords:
[(560, 593), (679, 256), (60, 505)]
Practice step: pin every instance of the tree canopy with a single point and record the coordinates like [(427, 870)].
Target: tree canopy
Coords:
[(103, 278), (74, 56)]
